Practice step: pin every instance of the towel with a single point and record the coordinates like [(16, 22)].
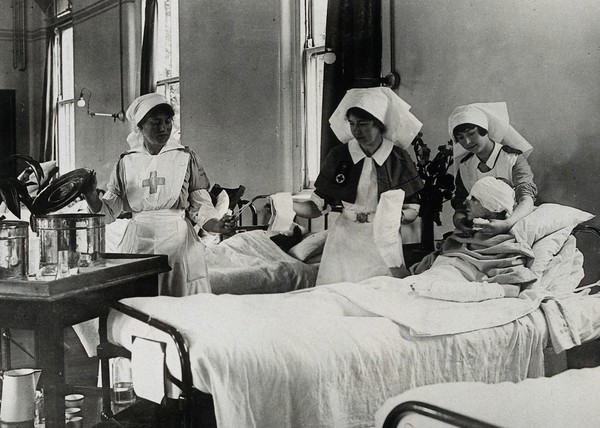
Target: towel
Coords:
[(386, 227), (282, 207), (148, 356)]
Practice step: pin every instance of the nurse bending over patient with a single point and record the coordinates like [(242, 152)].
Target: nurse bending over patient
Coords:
[(163, 185), (375, 181), (489, 147)]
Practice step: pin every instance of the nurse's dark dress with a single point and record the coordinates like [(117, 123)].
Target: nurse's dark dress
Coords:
[(350, 178)]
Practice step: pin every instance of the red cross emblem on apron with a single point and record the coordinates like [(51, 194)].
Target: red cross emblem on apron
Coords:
[(153, 182)]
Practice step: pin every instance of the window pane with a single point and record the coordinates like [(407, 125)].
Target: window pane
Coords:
[(319, 17), (66, 59), (167, 63), (171, 92), (62, 6), (66, 138), (316, 12)]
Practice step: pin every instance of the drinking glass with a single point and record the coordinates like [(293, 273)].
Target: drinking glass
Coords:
[(122, 382)]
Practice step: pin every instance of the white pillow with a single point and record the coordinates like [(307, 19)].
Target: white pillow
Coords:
[(546, 248), (547, 219), (310, 246)]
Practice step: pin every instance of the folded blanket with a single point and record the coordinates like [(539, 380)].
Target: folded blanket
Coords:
[(498, 258), (476, 268), (394, 299)]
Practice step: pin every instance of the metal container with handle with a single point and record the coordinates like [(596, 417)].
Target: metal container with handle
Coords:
[(14, 249), (70, 240)]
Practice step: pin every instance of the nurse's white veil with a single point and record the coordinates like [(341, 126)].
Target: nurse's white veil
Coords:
[(383, 103), (494, 118)]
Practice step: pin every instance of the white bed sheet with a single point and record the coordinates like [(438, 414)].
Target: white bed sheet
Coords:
[(315, 359), (251, 263), (246, 263), (568, 399)]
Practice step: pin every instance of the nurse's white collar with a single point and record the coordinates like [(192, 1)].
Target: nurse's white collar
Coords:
[(494, 155), (379, 156)]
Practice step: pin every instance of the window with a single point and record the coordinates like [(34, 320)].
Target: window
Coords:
[(65, 142), (314, 17), (166, 53)]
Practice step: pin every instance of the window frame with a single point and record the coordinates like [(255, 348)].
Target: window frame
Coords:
[(65, 106)]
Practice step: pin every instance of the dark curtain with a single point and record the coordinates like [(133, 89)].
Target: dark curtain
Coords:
[(48, 132), (147, 81), (353, 32)]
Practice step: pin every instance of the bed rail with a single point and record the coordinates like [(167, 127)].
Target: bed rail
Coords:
[(586, 228), (188, 393), (394, 418)]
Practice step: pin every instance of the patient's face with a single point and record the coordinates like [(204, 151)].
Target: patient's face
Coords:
[(476, 210), (157, 129)]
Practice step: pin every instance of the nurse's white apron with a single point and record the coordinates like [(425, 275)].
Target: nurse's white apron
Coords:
[(350, 253), (169, 232), (153, 186)]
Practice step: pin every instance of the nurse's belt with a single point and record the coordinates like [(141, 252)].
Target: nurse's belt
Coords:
[(386, 227)]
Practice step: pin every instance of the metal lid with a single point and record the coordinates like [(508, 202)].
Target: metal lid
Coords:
[(61, 192)]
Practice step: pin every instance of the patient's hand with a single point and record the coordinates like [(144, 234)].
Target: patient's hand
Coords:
[(465, 227), (494, 227), (225, 225)]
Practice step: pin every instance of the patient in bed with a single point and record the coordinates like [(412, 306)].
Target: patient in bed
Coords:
[(490, 198), (484, 260)]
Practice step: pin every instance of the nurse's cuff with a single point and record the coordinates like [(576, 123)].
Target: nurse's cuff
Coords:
[(201, 207)]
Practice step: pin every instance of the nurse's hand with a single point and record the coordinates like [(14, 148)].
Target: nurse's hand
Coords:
[(90, 184)]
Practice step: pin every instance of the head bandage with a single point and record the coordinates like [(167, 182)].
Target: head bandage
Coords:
[(383, 103), (494, 195), (493, 117)]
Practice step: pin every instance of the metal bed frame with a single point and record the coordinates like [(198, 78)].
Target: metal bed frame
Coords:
[(192, 400), (429, 411)]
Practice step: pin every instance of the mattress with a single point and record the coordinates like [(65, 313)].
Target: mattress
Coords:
[(316, 359), (567, 399)]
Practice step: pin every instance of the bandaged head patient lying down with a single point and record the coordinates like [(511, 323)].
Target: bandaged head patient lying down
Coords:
[(478, 266)]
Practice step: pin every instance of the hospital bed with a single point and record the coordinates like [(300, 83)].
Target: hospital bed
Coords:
[(567, 399), (246, 263), (314, 358)]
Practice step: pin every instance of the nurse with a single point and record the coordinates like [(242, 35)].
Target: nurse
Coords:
[(489, 146), (376, 182), (163, 185)]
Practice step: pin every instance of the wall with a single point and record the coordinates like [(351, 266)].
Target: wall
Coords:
[(27, 83), (541, 57), (231, 92), (99, 140)]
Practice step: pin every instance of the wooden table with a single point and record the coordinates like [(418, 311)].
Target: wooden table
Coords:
[(47, 307)]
